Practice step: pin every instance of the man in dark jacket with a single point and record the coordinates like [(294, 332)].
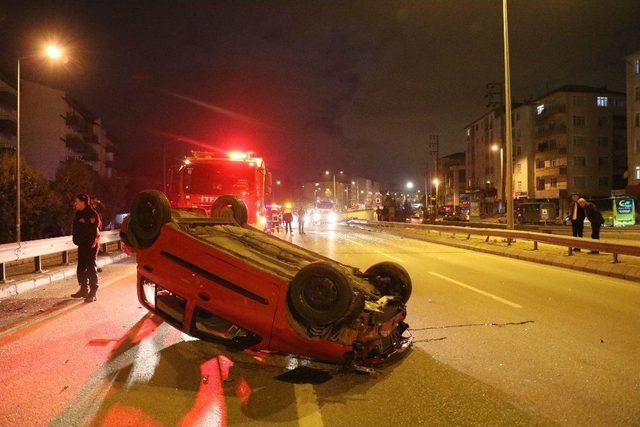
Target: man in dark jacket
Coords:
[(576, 214), (595, 217), (86, 226)]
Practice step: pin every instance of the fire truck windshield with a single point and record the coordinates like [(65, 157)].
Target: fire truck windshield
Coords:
[(232, 178)]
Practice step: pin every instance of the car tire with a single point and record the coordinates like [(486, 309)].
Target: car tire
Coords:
[(225, 203), (390, 278), (320, 294), (150, 211)]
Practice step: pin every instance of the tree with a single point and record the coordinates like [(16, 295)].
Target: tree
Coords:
[(39, 204), (73, 177)]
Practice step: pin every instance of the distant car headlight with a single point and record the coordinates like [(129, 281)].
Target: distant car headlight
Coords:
[(317, 216), (332, 217)]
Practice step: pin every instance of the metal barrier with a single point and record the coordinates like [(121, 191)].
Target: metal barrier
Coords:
[(569, 242), (36, 249)]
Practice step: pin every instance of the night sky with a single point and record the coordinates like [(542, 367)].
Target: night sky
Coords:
[(312, 85)]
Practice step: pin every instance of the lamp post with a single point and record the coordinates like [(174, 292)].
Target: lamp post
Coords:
[(52, 52), (436, 183), (278, 182), (497, 148), (334, 185), (508, 139)]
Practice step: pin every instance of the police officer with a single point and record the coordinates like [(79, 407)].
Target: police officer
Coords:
[(86, 226)]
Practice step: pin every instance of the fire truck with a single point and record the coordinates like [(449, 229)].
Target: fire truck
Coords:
[(205, 176)]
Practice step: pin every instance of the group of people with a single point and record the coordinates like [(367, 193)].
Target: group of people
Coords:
[(287, 218), (581, 209)]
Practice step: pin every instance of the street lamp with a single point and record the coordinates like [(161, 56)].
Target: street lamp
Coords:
[(436, 183), (278, 182), (53, 52), (327, 172), (496, 148), (409, 185)]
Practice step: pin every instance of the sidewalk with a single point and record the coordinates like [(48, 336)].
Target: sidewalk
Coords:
[(627, 268), (26, 282)]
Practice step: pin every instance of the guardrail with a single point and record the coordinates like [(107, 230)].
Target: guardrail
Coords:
[(36, 249), (569, 242)]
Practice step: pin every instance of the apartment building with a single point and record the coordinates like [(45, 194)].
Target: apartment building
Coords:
[(452, 172), (54, 127), (633, 120), (523, 152), (579, 143), (8, 127)]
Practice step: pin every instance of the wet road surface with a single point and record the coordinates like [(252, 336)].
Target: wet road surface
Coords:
[(498, 341)]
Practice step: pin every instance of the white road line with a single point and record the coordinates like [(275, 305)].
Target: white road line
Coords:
[(377, 251), (481, 292), (307, 406)]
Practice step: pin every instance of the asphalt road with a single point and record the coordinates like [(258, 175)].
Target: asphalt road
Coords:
[(498, 341)]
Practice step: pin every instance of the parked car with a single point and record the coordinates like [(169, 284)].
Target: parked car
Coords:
[(221, 280)]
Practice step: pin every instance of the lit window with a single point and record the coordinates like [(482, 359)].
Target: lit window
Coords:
[(468, 132), (540, 109), (637, 172), (602, 101), (636, 66)]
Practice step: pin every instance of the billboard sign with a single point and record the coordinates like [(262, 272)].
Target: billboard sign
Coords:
[(624, 212)]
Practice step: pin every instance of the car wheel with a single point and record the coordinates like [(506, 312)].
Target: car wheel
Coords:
[(237, 207), (320, 294), (390, 278), (150, 211)]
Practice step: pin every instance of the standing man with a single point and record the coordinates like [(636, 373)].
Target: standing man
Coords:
[(86, 226), (577, 217), (595, 217), (287, 217), (302, 213)]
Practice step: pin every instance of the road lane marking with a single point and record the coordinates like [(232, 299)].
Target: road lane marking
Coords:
[(307, 406), (376, 251), (481, 292)]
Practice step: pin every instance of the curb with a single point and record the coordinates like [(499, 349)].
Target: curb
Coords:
[(22, 286), (619, 271)]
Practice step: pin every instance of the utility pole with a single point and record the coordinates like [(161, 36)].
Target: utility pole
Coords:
[(508, 142), (434, 150)]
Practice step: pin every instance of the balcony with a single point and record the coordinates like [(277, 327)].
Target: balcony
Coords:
[(8, 127), (77, 123), (77, 144), (90, 138), (551, 111), (553, 129)]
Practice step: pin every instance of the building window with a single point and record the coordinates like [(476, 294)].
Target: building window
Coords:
[(636, 66), (539, 164), (518, 168), (603, 141), (555, 162), (579, 161), (519, 185), (553, 182), (603, 161), (468, 132), (637, 172), (603, 181), (637, 146), (602, 121), (602, 101), (619, 102), (638, 93), (637, 120), (519, 150), (539, 183), (517, 116), (579, 181), (540, 109), (579, 141), (578, 121)]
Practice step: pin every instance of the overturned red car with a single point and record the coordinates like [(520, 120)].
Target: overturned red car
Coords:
[(221, 280)]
